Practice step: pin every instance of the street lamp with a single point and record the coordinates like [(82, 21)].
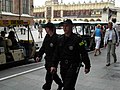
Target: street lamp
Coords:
[(19, 9), (0, 8)]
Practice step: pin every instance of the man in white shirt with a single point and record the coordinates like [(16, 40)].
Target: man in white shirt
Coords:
[(40, 30), (111, 40)]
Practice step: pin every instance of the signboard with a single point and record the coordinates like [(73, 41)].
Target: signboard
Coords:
[(13, 22), (26, 22)]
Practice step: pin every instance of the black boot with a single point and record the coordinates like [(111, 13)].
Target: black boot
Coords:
[(60, 87), (44, 87)]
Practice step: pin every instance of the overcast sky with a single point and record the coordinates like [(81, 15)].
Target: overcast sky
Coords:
[(42, 2)]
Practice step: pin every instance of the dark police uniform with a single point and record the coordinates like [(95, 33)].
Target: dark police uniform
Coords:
[(48, 47), (70, 52)]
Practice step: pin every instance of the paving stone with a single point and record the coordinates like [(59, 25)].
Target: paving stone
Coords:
[(100, 77)]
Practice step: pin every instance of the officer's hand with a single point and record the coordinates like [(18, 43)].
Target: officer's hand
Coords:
[(37, 59), (53, 70), (105, 45), (117, 44), (87, 71)]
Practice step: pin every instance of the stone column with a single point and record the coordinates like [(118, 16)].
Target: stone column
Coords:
[(105, 14), (45, 13), (61, 13), (0, 9), (52, 12)]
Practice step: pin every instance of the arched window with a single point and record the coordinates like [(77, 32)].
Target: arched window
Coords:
[(74, 19), (92, 20), (80, 20), (86, 20), (40, 21), (44, 21), (98, 20), (59, 20), (55, 20)]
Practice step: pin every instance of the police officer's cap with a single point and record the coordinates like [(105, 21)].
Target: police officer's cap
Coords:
[(49, 25), (68, 21)]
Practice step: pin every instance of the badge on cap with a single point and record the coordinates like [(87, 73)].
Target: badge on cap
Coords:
[(51, 44), (70, 47)]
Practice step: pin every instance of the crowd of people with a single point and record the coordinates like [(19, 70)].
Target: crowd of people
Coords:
[(69, 50), (10, 43), (111, 40)]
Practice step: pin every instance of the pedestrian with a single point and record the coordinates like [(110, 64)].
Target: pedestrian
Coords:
[(6, 43), (3, 34), (15, 43), (36, 25), (21, 29), (40, 30), (70, 52), (48, 47), (114, 23), (3, 40), (5, 30), (111, 40), (24, 29), (98, 33)]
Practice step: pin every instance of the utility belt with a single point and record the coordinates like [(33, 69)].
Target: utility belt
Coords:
[(71, 64), (109, 40), (67, 61)]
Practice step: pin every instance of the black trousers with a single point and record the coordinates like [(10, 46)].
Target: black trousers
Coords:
[(49, 79), (69, 75)]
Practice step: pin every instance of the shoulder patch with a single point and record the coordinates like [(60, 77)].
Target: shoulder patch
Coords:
[(81, 43)]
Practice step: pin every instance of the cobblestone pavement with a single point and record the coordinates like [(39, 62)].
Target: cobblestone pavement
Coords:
[(100, 77)]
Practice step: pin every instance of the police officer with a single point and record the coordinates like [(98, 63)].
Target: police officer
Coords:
[(70, 51), (48, 47)]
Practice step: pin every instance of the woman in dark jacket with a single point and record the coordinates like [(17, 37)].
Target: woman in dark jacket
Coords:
[(15, 44)]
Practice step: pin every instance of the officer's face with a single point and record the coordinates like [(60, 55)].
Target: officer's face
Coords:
[(48, 31), (67, 28)]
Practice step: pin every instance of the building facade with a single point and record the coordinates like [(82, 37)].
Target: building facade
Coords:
[(92, 11), (16, 10)]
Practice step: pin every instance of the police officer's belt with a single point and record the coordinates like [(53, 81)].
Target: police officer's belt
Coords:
[(109, 40), (66, 61)]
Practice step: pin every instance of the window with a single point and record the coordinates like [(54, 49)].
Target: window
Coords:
[(26, 5), (7, 5)]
